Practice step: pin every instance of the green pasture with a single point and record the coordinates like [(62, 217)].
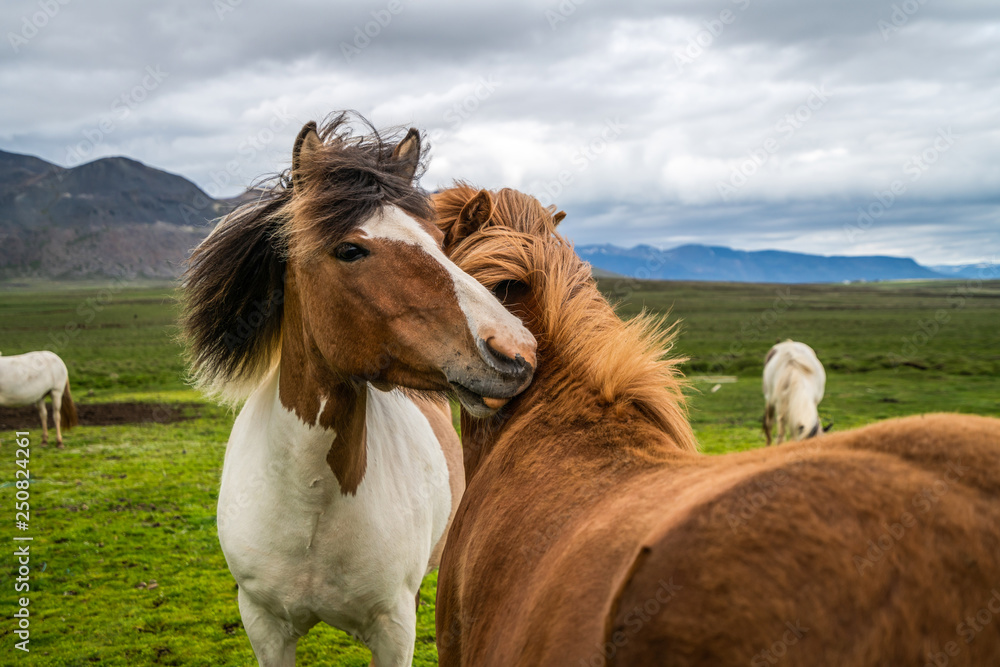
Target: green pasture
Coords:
[(125, 564)]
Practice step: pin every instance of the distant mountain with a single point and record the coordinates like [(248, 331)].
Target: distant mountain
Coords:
[(116, 216), (110, 217), (981, 271), (714, 263)]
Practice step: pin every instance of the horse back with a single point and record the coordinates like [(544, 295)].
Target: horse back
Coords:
[(870, 547), (26, 378)]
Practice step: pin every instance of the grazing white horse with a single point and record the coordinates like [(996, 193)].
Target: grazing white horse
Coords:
[(26, 379), (794, 381), (323, 302)]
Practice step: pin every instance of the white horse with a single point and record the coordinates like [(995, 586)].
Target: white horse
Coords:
[(322, 302), (794, 381), (26, 379)]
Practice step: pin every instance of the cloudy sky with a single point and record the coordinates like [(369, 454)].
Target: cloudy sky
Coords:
[(853, 127)]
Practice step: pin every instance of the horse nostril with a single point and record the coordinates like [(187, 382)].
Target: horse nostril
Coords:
[(496, 353), (502, 358)]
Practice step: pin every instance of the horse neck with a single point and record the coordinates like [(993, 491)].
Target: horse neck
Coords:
[(320, 397), (801, 406), (563, 398)]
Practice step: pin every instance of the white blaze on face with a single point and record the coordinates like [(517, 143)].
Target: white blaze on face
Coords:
[(485, 315)]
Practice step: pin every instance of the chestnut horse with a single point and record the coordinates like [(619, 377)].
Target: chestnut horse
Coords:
[(591, 531), (317, 304)]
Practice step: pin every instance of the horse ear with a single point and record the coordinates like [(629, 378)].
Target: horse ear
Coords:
[(476, 213), (558, 217), (828, 427), (306, 146), (407, 154)]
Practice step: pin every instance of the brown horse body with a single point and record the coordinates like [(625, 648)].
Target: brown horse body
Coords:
[(592, 533)]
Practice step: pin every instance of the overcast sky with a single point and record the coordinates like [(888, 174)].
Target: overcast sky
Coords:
[(741, 123)]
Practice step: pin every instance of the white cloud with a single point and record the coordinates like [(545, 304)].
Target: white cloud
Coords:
[(508, 101)]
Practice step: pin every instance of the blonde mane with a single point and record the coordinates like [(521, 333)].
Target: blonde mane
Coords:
[(625, 363)]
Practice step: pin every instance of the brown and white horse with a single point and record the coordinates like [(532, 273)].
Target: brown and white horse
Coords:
[(26, 379), (592, 533), (320, 304), (794, 382)]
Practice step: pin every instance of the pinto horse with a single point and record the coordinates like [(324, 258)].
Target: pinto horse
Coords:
[(592, 532), (794, 382), (330, 307), (26, 379)]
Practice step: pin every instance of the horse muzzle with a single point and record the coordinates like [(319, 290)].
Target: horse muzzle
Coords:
[(504, 373)]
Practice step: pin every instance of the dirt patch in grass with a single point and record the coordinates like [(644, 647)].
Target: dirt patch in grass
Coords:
[(104, 414)]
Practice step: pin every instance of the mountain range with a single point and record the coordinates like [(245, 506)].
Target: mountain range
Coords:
[(119, 217), (716, 263)]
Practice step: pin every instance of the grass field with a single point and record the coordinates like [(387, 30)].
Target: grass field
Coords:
[(125, 564)]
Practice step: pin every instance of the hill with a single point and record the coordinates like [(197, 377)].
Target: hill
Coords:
[(715, 263), (110, 217)]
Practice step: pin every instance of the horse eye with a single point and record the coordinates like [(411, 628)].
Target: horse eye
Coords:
[(348, 252)]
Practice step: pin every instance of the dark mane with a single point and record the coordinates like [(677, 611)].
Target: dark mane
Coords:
[(233, 288), (348, 182)]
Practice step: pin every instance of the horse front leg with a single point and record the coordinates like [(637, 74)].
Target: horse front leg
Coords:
[(394, 634), (273, 639), (44, 416), (768, 420)]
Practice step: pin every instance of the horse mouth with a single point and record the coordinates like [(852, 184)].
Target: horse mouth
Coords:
[(476, 404)]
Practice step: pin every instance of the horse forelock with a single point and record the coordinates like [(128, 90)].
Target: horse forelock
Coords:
[(625, 362), (345, 182), (234, 285)]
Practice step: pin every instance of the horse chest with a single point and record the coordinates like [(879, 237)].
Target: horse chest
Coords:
[(298, 544)]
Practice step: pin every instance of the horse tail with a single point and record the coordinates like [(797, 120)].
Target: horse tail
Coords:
[(69, 416)]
